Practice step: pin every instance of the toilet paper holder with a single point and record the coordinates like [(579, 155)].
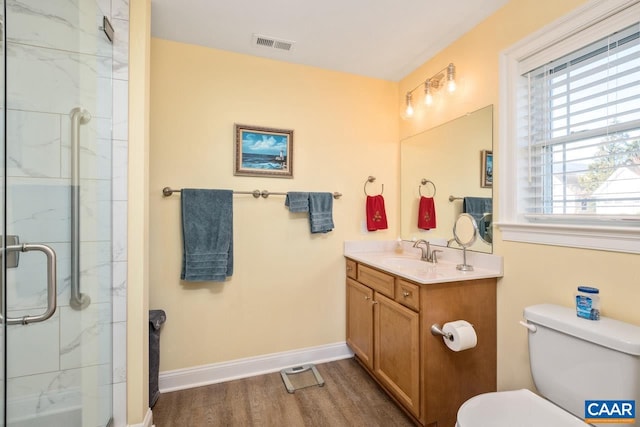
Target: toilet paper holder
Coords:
[(437, 331)]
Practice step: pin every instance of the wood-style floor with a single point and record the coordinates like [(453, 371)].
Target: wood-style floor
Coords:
[(348, 398)]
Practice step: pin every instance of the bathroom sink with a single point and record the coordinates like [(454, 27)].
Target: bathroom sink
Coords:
[(408, 265), (403, 262), (415, 267)]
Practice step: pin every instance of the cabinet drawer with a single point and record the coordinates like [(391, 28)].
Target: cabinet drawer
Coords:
[(408, 294), (351, 269), (376, 280)]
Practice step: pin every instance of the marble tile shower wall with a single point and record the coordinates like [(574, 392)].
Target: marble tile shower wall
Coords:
[(72, 71)]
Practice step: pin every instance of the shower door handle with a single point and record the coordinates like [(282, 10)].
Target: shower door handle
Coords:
[(51, 284)]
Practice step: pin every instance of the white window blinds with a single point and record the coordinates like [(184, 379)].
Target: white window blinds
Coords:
[(581, 145)]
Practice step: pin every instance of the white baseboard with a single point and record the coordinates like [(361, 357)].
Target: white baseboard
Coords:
[(147, 422), (197, 376)]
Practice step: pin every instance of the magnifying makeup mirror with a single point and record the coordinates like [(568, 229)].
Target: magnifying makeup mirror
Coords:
[(465, 231)]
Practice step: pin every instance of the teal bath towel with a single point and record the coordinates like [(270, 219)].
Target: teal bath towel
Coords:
[(321, 212), (207, 235), (297, 201), (477, 207)]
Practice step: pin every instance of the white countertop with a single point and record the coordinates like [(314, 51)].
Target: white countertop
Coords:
[(407, 264)]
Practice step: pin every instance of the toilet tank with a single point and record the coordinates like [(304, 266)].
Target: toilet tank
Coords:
[(574, 359)]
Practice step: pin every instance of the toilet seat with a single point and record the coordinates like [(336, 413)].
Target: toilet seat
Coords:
[(521, 408)]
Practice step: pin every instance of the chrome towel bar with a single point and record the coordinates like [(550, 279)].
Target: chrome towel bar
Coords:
[(167, 191)]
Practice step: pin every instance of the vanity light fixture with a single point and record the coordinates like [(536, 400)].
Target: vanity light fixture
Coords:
[(446, 75)]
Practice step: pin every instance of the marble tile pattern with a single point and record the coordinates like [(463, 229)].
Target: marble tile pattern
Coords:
[(53, 48)]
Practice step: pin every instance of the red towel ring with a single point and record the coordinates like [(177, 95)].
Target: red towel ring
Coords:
[(371, 179), (425, 182)]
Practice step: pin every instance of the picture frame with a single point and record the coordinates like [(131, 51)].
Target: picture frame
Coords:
[(263, 151), (486, 168)]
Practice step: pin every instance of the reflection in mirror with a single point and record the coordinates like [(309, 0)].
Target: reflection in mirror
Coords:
[(485, 228), (449, 156), (465, 231)]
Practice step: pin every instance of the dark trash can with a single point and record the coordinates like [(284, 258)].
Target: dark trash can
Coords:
[(156, 319)]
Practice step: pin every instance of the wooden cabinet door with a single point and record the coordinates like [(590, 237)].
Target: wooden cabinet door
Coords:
[(360, 321), (397, 349)]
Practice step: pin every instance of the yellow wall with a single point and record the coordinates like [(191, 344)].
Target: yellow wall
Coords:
[(287, 291), (533, 273)]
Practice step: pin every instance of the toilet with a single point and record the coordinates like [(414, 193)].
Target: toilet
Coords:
[(572, 360)]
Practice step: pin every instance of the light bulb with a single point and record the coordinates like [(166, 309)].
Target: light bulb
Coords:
[(428, 98), (409, 110), (451, 77)]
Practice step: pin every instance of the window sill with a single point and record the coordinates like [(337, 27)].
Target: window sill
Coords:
[(615, 239)]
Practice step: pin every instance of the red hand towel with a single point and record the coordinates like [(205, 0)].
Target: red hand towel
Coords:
[(426, 213), (376, 216)]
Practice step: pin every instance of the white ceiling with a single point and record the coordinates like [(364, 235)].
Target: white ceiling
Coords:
[(384, 39)]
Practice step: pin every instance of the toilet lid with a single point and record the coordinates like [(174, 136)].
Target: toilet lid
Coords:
[(520, 408)]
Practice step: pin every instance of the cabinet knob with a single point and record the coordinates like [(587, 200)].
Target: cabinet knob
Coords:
[(406, 294), (349, 268), (366, 298)]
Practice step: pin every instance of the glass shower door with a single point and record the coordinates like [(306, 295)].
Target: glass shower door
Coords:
[(57, 235)]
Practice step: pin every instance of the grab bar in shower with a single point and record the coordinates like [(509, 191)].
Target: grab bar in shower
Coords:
[(79, 116)]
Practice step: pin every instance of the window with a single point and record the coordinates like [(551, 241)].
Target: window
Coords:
[(571, 138), (583, 142)]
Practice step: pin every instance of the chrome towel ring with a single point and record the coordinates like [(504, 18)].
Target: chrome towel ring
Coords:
[(425, 182), (371, 179)]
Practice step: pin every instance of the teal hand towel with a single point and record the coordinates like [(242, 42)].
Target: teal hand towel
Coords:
[(321, 212), (477, 207), (207, 231), (297, 201)]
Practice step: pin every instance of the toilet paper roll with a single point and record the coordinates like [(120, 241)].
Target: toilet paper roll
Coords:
[(462, 333)]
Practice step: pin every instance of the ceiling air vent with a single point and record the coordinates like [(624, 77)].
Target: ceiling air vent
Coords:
[(272, 42)]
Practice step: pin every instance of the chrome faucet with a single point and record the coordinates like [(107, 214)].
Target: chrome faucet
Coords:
[(427, 255)]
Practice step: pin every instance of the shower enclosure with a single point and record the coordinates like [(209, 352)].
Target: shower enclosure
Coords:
[(56, 214)]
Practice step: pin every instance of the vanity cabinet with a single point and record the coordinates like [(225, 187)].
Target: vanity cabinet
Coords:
[(396, 341), (360, 321), (388, 328)]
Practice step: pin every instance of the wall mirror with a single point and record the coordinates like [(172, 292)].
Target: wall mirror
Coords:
[(452, 164)]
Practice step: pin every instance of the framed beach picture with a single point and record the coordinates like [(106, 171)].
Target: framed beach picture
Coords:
[(486, 168), (263, 151)]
